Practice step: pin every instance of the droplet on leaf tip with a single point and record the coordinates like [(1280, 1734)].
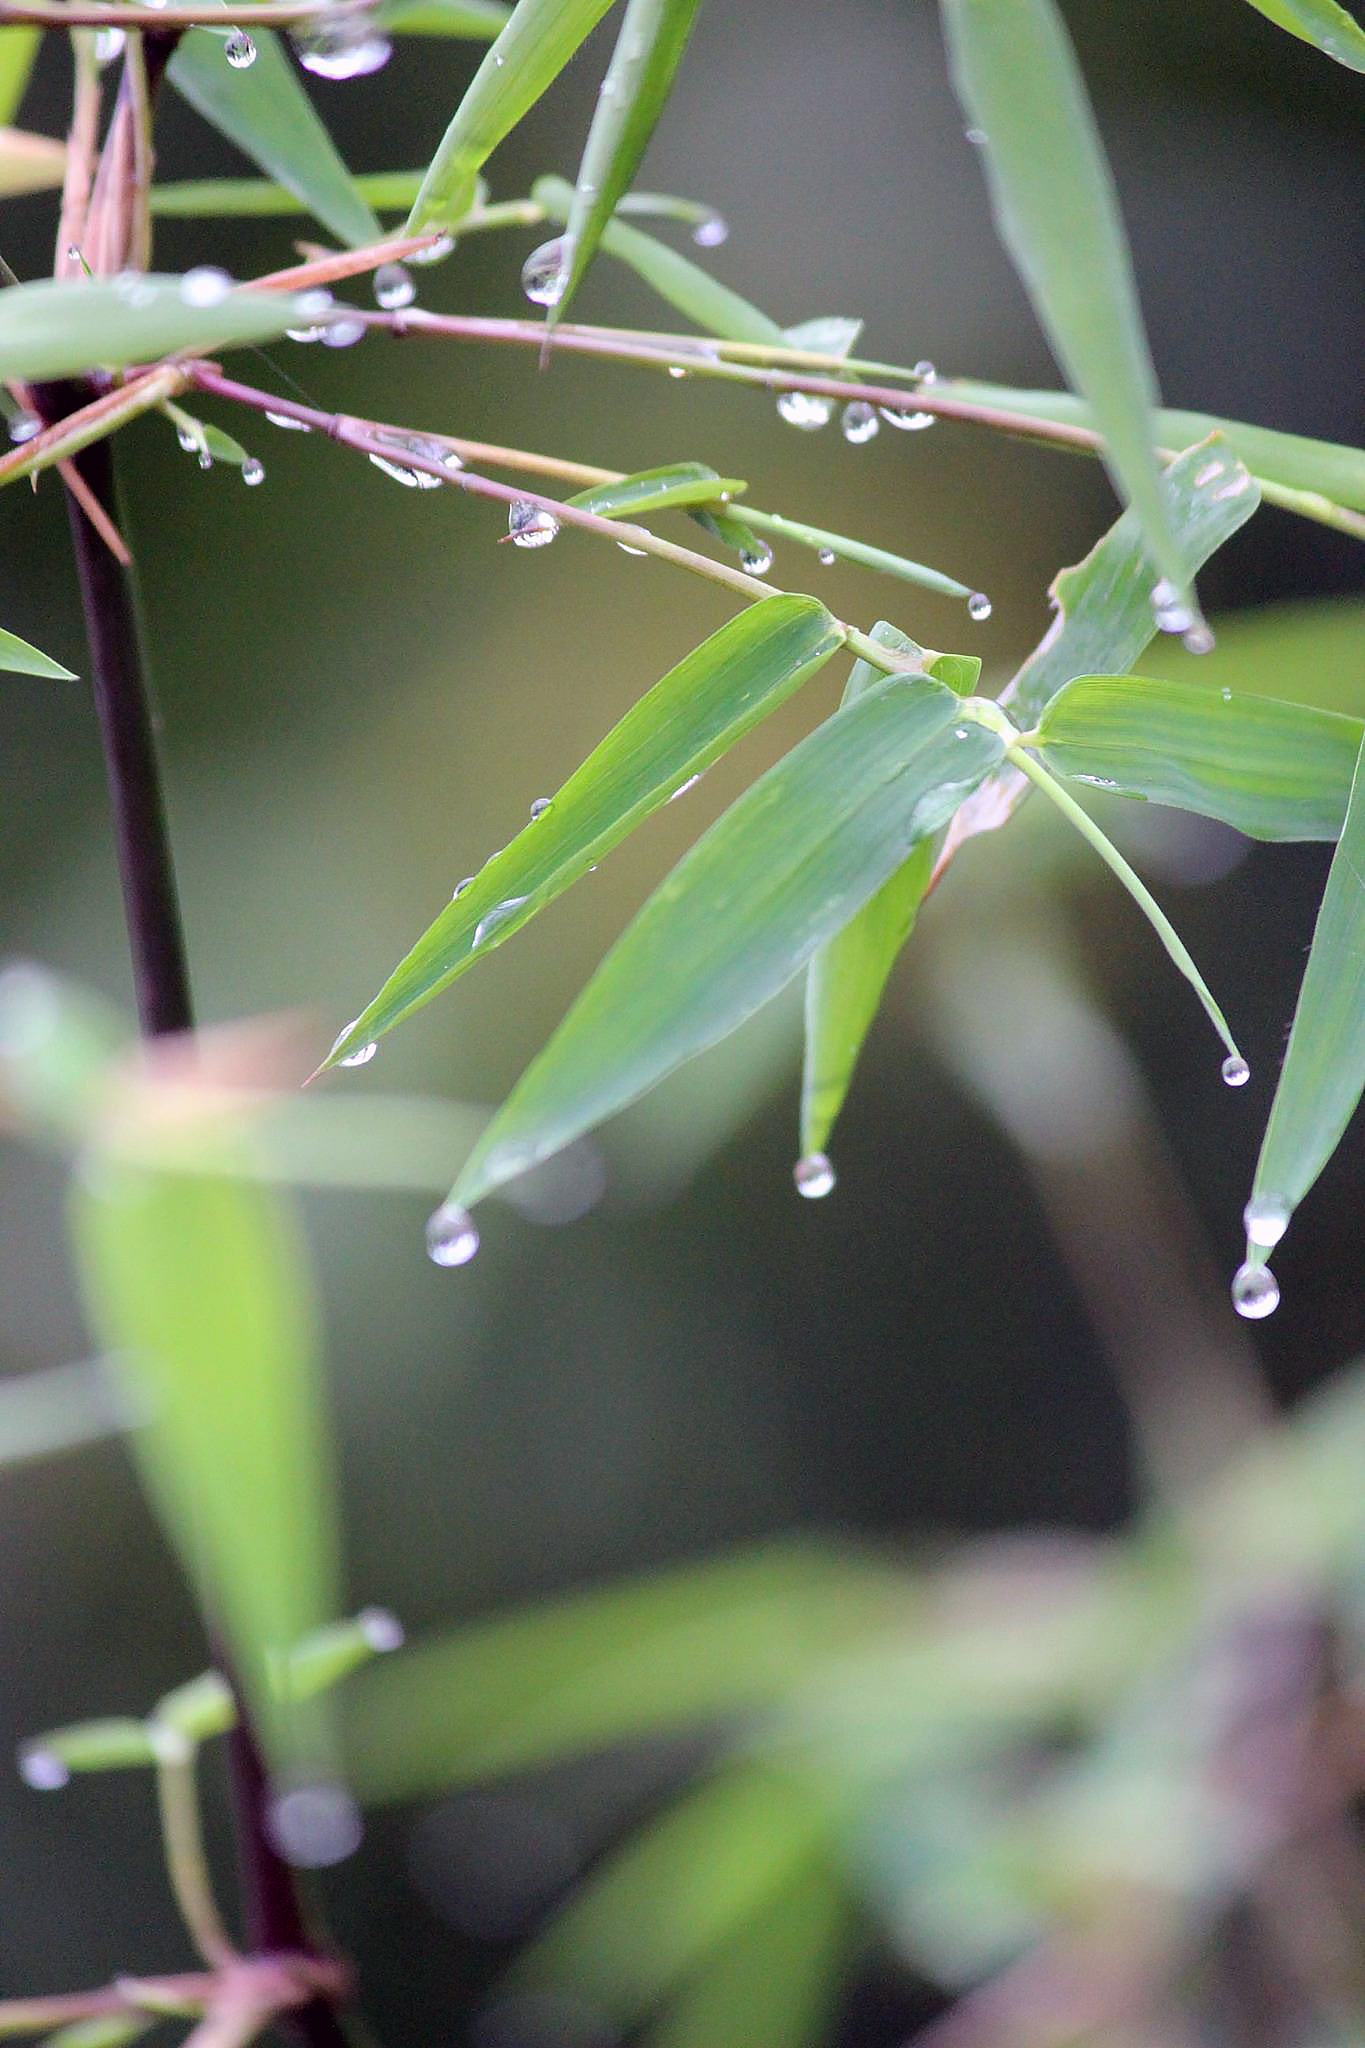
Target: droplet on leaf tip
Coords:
[(41, 1769), (1236, 1072), (1266, 1218), (813, 1176), (239, 50), (1255, 1292), (253, 471), (710, 231), (452, 1236), (545, 273), (978, 606)]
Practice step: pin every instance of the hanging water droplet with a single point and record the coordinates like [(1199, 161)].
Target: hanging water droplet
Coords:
[(813, 1176), (108, 45), (906, 419), (710, 231), (381, 1628), (1255, 1292), (313, 305), (925, 371), (627, 549), (805, 409), (976, 136), (348, 50), (859, 421), (362, 1055), (23, 426), (452, 1238), (545, 273), (1169, 609), (393, 287), (498, 59), (826, 558), (413, 444), (253, 471), (205, 459), (460, 888), (539, 807), (188, 439), (41, 1769), (530, 525), (978, 606), (291, 426), (683, 787), (1236, 1072), (1266, 1218), (314, 1826), (757, 560), (435, 252), (239, 50), (676, 371), (498, 915), (205, 286), (343, 331), (1198, 639)]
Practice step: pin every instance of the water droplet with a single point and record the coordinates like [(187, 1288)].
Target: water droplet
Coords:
[(925, 371), (314, 1826), (187, 438), (805, 409), (1266, 1218), (859, 421), (343, 331), (906, 418), (413, 444), (540, 807), (205, 286), (978, 606), (498, 59), (711, 230), (962, 732), (41, 1769), (381, 1628), (23, 426), (205, 459), (253, 471), (813, 1176), (683, 787), (826, 558), (1197, 639), (393, 287), (545, 273), (349, 50), (1169, 609), (452, 1237), (460, 888), (677, 371), (1226, 695), (757, 560), (291, 426), (627, 549), (239, 50), (1236, 1072), (1255, 1292), (108, 45), (976, 137), (530, 525), (362, 1055), (435, 252), (498, 915)]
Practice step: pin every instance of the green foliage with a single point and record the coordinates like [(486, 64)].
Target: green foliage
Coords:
[(57, 330), (19, 656), (1322, 23)]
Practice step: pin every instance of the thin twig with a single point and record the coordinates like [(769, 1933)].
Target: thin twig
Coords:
[(81, 140), (183, 1843), (273, 14)]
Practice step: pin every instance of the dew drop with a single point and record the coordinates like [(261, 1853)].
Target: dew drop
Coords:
[(627, 549), (859, 421), (205, 459), (925, 371), (540, 807), (187, 438), (545, 273), (452, 1237), (1255, 1292), (435, 252), (757, 560), (805, 409), (291, 426), (343, 331), (460, 888), (530, 525), (108, 45), (978, 606), (1226, 695), (41, 1769), (499, 60), (813, 1176), (350, 50), (826, 558), (413, 444), (362, 1055), (683, 787), (239, 50), (906, 418), (1266, 1218), (711, 230), (1198, 639), (253, 471), (314, 1826), (677, 371), (205, 286), (498, 915), (1236, 1072), (393, 287), (381, 1628), (23, 427), (976, 137)]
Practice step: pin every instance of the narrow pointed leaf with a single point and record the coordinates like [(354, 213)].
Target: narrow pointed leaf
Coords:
[(1322, 23), (475, 20), (1273, 770), (829, 334), (787, 865), (266, 113), (649, 49), (1324, 1064), (1057, 212), (29, 163), (18, 655), (698, 710), (538, 41), (655, 490), (18, 48), (58, 329), (859, 551)]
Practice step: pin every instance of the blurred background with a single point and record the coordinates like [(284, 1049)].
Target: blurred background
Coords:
[(947, 1395)]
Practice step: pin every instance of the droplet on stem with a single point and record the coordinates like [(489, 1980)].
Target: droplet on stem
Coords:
[(805, 409), (925, 371), (343, 330), (757, 560), (393, 287), (813, 1176), (23, 427), (452, 1238), (350, 49), (108, 45), (1255, 1292), (978, 606), (710, 231), (826, 558), (435, 252), (859, 421), (545, 273), (530, 526), (906, 418)]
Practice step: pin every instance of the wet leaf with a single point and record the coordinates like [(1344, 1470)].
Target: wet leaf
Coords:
[(59, 329)]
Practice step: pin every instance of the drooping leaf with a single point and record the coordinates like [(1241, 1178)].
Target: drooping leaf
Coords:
[(18, 48), (655, 490), (29, 163), (1322, 23), (1275, 771), (691, 717), (55, 329), (1055, 206), (266, 113), (649, 48), (18, 655), (210, 440), (1324, 1063), (684, 284), (787, 865), (475, 20), (539, 39), (859, 551)]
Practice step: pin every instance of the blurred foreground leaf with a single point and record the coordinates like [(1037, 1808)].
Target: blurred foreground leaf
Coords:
[(56, 329), (18, 48)]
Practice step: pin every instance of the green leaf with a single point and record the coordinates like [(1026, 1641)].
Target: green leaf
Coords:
[(538, 41), (821, 539), (829, 334), (740, 915), (1322, 23), (1324, 1063), (476, 20), (654, 490), (29, 163), (1055, 206), (679, 281), (1274, 770), (195, 1283), (18, 48), (266, 113), (211, 440), (649, 49), (18, 655), (698, 710), (106, 1745), (59, 329)]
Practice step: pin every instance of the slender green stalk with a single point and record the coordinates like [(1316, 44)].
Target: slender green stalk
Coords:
[(183, 1844)]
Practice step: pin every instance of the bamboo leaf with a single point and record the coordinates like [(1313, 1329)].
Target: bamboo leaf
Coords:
[(787, 865), (1324, 1063), (55, 329), (1322, 23), (698, 710), (1273, 770), (474, 20), (18, 48), (823, 541), (1057, 212), (266, 113), (655, 490), (539, 39), (18, 655), (649, 48), (29, 163)]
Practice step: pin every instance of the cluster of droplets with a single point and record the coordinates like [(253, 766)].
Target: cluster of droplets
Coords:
[(545, 273), (530, 525), (1173, 614), (239, 50), (413, 444), (346, 49), (1255, 1290)]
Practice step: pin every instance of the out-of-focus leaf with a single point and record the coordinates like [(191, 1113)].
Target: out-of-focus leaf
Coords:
[(698, 710), (654, 490), (28, 163), (56, 1051), (266, 113), (18, 48), (55, 329), (476, 20), (109, 2030), (1324, 1063), (539, 39), (1322, 23), (675, 278), (787, 865), (195, 1283), (55, 1410), (23, 659), (674, 1894), (1057, 213), (262, 198), (649, 48), (108, 1745), (589, 1670), (1275, 771)]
